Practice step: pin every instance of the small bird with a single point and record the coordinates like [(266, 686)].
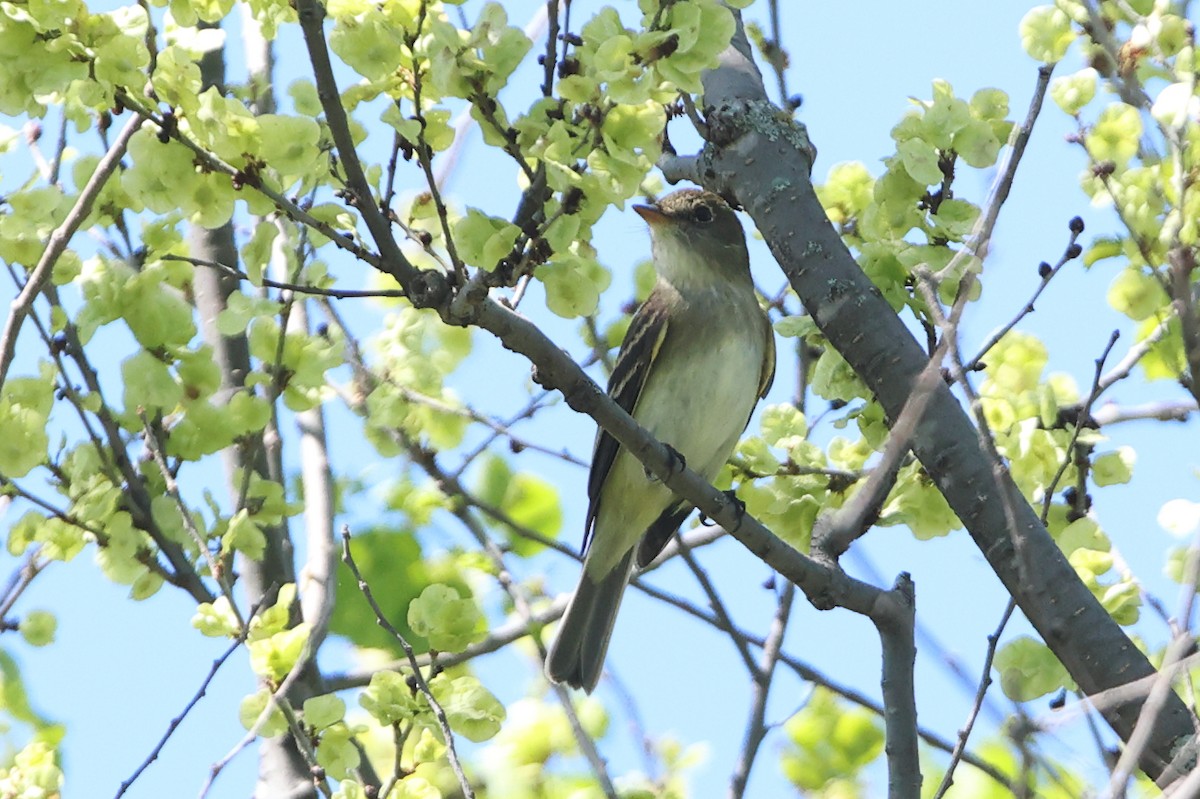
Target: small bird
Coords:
[(697, 357)]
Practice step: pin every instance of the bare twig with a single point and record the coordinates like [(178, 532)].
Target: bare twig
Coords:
[(718, 608), (756, 728), (418, 675), (175, 722), (985, 682)]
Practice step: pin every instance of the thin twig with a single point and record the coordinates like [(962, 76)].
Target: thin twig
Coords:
[(57, 243), (418, 675), (756, 727), (175, 722), (985, 682), (718, 607), (298, 288)]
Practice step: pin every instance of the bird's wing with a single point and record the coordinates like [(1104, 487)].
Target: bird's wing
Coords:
[(642, 342), (767, 377)]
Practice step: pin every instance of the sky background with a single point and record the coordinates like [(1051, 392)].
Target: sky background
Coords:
[(120, 671)]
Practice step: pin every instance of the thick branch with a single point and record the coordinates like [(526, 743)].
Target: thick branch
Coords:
[(764, 160)]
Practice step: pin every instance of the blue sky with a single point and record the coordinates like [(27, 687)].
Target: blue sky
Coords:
[(119, 671)]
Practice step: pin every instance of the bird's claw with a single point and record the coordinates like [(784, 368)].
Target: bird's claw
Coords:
[(678, 463), (738, 505)]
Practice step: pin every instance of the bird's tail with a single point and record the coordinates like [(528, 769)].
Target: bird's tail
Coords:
[(577, 655)]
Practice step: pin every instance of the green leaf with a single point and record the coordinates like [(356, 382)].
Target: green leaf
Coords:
[(829, 741), (527, 499), (1113, 468), (1137, 294), (37, 627), (1028, 670), (275, 656), (397, 570), (389, 699), (472, 710), (324, 711), (483, 240), (444, 618), (337, 752), (1046, 34), (216, 619), (1116, 134), (1072, 92), (920, 160), (149, 384), (1102, 248), (252, 707)]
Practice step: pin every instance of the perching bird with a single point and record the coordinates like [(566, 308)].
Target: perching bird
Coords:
[(698, 355)]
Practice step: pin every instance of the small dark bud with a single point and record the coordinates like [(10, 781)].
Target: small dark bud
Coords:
[(1059, 700), (318, 773), (769, 583), (1070, 495), (568, 66), (541, 59), (1074, 250), (980, 366), (573, 39), (837, 404), (323, 330), (1076, 225), (1044, 270), (795, 101), (1104, 168), (425, 237), (571, 200), (58, 344), (516, 447)]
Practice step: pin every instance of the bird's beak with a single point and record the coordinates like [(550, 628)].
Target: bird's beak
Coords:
[(651, 214)]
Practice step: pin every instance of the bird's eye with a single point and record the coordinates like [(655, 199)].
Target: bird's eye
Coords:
[(703, 214)]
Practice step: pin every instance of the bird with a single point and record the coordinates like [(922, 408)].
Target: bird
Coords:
[(697, 357)]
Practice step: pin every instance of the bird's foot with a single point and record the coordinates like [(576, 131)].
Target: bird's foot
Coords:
[(678, 463), (739, 508)]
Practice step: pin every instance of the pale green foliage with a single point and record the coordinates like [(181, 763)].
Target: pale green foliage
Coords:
[(37, 627), (527, 499), (324, 711), (273, 657), (470, 708), (878, 216), (1073, 92), (336, 751), (416, 353), (24, 411), (417, 69), (1046, 33), (448, 621), (483, 240), (829, 745), (34, 773), (254, 705), (388, 698), (1028, 670), (216, 619)]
